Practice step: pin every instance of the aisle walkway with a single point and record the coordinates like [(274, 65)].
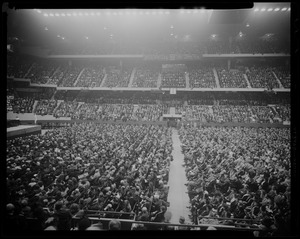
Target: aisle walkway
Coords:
[(178, 198)]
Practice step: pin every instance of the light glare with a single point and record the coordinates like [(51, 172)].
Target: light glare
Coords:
[(284, 9), (270, 9), (277, 9)]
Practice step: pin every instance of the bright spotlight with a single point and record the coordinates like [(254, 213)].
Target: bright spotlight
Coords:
[(46, 28), (87, 38), (63, 15), (263, 9), (277, 9), (63, 38), (51, 15), (256, 10), (270, 9), (45, 15), (58, 35), (248, 25), (39, 11), (289, 9), (284, 9), (172, 26)]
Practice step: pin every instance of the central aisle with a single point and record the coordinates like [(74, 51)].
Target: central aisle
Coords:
[(178, 197)]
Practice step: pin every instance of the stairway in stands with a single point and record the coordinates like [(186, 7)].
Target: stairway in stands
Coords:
[(78, 77), (216, 78), (187, 80), (132, 77)]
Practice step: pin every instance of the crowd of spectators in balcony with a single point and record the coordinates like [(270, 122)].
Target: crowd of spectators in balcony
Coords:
[(284, 75), (262, 77), (239, 173), (22, 105), (91, 77), (173, 80), (70, 76), (231, 78), (41, 72), (202, 77), (145, 77), (283, 112), (45, 107), (65, 172), (65, 109), (117, 78)]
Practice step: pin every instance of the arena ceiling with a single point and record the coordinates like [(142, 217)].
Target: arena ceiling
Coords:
[(52, 27)]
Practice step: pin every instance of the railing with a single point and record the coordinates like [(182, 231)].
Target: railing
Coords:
[(127, 224)]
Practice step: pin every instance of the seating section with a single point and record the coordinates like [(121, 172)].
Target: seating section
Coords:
[(262, 77), (41, 72), (231, 78), (229, 175), (91, 77), (284, 75), (145, 77), (45, 107), (116, 78), (173, 80), (202, 77)]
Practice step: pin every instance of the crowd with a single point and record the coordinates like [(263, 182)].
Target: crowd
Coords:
[(262, 77), (22, 105), (67, 171), (238, 172), (202, 78), (91, 77), (284, 75), (45, 107), (70, 76), (65, 109), (145, 77), (173, 80), (231, 78), (41, 72), (195, 112), (118, 78)]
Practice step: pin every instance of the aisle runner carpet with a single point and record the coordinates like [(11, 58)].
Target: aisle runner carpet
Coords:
[(178, 197)]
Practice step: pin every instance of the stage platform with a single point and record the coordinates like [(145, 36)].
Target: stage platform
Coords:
[(22, 130)]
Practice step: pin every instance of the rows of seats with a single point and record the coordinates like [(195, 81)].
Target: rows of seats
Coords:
[(231, 78), (231, 176), (173, 80), (284, 75), (145, 77), (91, 77), (65, 109), (41, 72), (85, 167), (45, 107), (116, 78), (202, 77), (22, 105), (261, 77)]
